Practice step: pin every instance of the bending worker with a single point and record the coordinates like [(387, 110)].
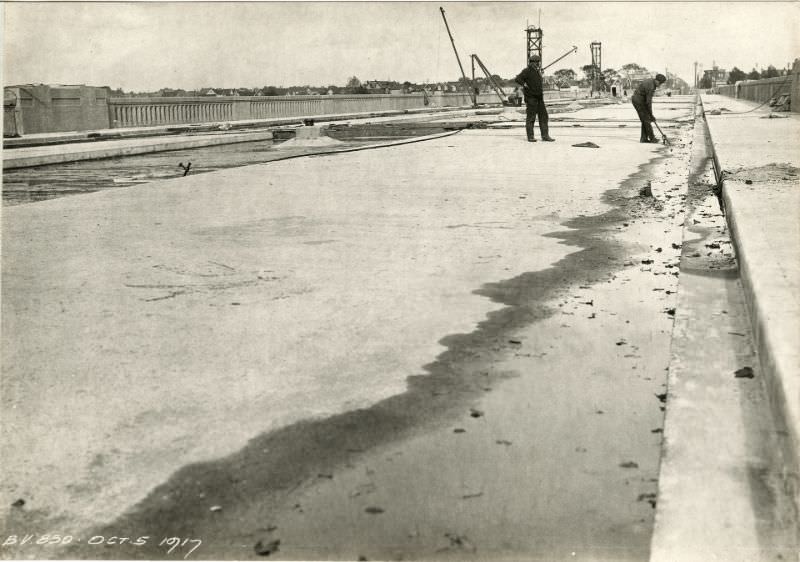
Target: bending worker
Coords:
[(643, 102), (531, 81)]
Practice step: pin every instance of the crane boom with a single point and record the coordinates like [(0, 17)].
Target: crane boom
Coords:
[(471, 92), (572, 50)]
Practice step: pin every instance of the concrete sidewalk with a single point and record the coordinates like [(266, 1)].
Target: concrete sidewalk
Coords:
[(757, 161), (726, 489), (729, 469), (78, 136), (56, 148)]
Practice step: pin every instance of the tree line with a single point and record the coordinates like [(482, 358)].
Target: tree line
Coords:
[(562, 78)]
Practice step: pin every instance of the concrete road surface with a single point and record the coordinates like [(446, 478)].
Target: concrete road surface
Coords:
[(445, 349)]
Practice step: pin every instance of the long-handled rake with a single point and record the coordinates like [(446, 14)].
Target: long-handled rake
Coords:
[(663, 136)]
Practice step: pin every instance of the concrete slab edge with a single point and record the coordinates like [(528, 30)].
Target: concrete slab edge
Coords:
[(776, 372), (11, 162)]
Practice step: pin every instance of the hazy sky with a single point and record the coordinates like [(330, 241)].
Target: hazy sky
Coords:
[(148, 45)]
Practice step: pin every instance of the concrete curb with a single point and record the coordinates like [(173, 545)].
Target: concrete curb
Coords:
[(717, 429), (777, 354)]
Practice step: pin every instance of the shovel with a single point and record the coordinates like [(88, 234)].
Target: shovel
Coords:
[(663, 136)]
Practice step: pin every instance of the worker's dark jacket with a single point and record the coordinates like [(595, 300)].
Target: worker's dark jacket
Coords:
[(643, 96), (531, 78)]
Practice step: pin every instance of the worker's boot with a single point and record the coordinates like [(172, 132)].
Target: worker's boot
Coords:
[(531, 139), (546, 135)]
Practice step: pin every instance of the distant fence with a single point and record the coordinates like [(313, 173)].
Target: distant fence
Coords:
[(764, 90)]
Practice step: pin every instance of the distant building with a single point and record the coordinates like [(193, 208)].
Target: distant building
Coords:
[(716, 76), (550, 83), (630, 79), (377, 86)]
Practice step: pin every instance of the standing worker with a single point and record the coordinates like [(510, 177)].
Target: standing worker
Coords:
[(531, 82), (642, 100)]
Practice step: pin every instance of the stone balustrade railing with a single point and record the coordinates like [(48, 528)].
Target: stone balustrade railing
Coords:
[(144, 112)]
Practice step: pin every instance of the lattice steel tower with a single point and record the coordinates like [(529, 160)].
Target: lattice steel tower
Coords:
[(597, 66), (534, 44)]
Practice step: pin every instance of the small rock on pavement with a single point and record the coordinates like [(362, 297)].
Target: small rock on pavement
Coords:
[(629, 464), (19, 503), (374, 510), (744, 373), (215, 508), (268, 548)]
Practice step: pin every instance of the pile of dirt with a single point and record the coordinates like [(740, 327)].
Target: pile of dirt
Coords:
[(771, 173)]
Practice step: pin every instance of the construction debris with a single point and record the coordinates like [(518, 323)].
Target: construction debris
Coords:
[(266, 549), (781, 103), (586, 145)]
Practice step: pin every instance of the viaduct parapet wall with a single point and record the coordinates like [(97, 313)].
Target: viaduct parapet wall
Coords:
[(764, 90), (50, 109)]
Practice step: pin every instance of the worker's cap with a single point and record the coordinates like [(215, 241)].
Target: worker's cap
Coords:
[(535, 58), (661, 78)]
